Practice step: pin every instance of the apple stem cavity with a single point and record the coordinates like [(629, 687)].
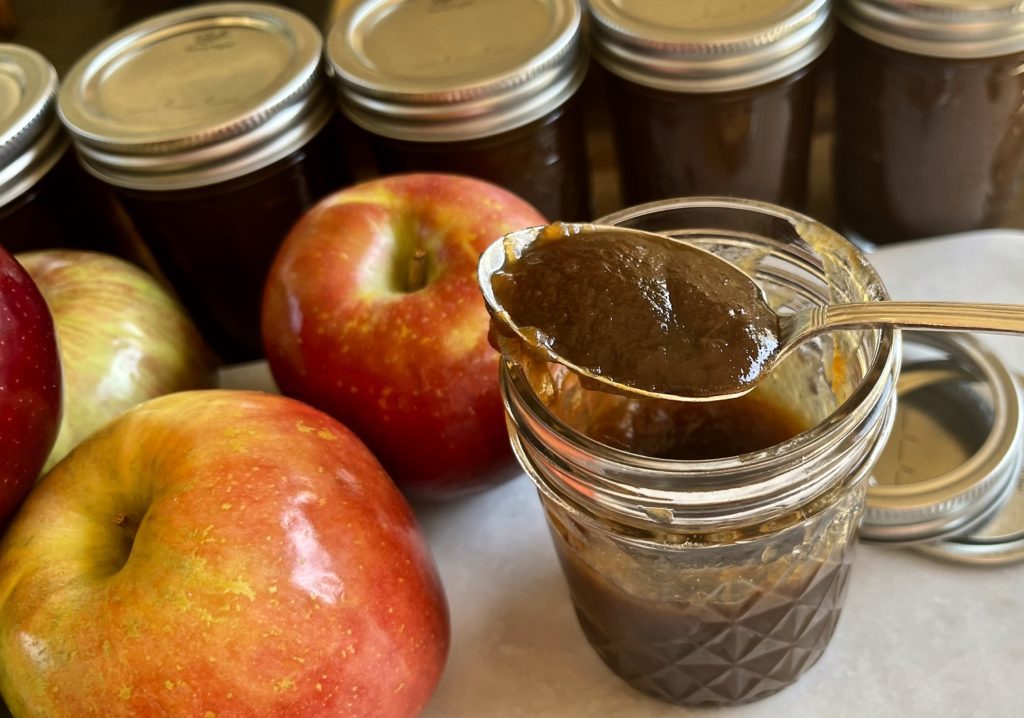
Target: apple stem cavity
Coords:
[(417, 275)]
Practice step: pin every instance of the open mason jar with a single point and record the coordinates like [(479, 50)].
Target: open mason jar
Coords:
[(707, 546)]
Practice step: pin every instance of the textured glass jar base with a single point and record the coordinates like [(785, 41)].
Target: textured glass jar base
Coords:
[(715, 660), (712, 625)]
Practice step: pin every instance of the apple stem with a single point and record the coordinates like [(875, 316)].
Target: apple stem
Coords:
[(417, 278), (126, 522)]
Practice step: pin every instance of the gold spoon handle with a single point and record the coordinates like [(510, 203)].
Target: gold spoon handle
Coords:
[(942, 316)]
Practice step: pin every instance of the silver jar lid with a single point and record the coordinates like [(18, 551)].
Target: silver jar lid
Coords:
[(953, 462), (710, 45), (197, 96), (939, 28), (31, 138), (449, 70)]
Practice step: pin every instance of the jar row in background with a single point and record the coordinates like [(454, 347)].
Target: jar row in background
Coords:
[(206, 132)]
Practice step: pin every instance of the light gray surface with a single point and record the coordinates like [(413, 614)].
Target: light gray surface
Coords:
[(917, 638)]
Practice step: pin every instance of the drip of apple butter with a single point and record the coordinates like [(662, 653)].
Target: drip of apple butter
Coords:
[(644, 311)]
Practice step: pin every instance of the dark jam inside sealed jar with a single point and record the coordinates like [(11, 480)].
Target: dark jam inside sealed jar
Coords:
[(925, 145), (65, 209), (752, 143), (216, 243), (544, 161)]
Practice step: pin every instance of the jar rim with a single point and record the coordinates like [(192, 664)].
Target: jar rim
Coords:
[(439, 95), (758, 477), (151, 107), (708, 50), (938, 28)]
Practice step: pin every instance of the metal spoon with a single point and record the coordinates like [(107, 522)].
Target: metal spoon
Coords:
[(792, 328)]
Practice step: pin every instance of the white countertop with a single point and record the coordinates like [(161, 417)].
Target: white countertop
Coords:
[(918, 637)]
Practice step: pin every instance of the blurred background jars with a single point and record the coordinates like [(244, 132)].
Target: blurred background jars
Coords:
[(46, 200), (929, 115), (214, 127), (711, 97), (485, 88), (707, 547)]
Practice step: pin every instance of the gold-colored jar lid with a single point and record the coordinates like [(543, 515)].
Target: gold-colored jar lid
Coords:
[(31, 139), (197, 96), (949, 481), (939, 28), (709, 45), (450, 70)]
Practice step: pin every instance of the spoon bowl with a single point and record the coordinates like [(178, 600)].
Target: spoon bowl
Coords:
[(790, 330)]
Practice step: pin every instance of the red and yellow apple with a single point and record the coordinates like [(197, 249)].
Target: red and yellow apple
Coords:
[(30, 384), (218, 553), (372, 313), (123, 339)]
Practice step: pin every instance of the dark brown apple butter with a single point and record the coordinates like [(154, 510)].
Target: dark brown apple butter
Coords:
[(752, 143), (647, 311), (544, 161), (925, 146), (711, 98), (929, 116), (674, 649), (216, 243)]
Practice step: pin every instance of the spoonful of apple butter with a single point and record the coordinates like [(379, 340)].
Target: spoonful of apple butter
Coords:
[(646, 314)]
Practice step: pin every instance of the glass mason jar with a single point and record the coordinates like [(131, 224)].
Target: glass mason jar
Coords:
[(929, 116), (214, 127), (485, 88), (717, 580), (46, 200), (711, 97)]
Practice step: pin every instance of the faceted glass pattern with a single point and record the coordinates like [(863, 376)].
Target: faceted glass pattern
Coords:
[(711, 625)]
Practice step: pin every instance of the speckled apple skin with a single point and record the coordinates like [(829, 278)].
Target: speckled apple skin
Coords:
[(276, 572), (412, 373)]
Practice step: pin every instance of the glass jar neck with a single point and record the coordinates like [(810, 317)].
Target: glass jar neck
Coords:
[(695, 497)]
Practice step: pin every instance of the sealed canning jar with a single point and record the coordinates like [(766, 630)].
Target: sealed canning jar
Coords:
[(929, 115), (46, 201), (485, 88), (711, 97), (213, 125), (707, 547)]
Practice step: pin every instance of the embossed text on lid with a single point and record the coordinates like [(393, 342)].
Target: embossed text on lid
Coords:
[(956, 449), (436, 70), (196, 90), (939, 28), (708, 46), (31, 140)]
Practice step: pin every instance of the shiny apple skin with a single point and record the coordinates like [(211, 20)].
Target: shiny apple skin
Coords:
[(276, 572), (412, 373), (30, 384), (123, 339)]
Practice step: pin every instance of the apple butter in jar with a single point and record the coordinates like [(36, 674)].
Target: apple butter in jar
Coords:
[(711, 97), (707, 546), (215, 127), (929, 116), (486, 88), (46, 200)]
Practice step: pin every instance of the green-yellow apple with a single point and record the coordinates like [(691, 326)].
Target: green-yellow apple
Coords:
[(123, 339), (30, 384), (372, 313), (218, 553)]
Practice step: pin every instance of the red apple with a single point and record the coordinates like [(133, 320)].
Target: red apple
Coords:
[(392, 345), (219, 553), (123, 339), (30, 384)]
